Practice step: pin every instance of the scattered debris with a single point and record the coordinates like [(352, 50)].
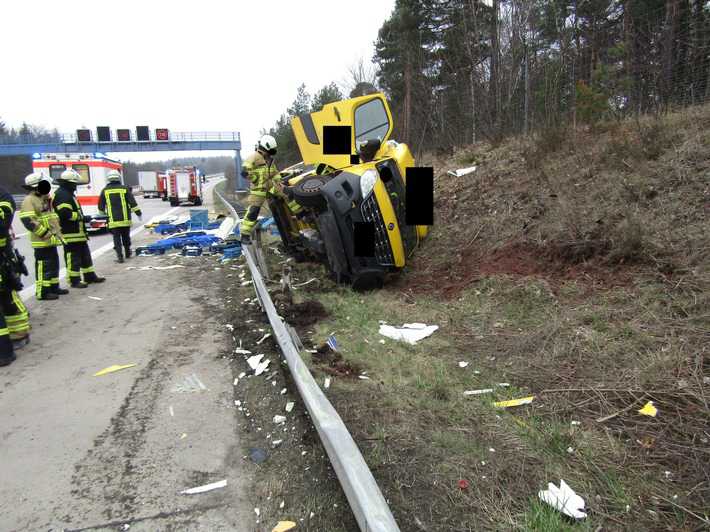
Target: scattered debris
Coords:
[(564, 500), (172, 412), (267, 335), (279, 419), (326, 383), (478, 392), (332, 342), (514, 402), (304, 283), (257, 511), (276, 443), (95, 298), (236, 381), (206, 487), (111, 369), (463, 364), (254, 361), (363, 377), (284, 526), (283, 391), (289, 406), (649, 410), (230, 327), (460, 172), (257, 455), (504, 384), (183, 435), (409, 332), (191, 383), (261, 368)]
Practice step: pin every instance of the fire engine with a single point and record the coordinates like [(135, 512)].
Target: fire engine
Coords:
[(163, 186), (184, 184), (94, 167)]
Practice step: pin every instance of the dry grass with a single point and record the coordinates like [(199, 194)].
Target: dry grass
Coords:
[(577, 272)]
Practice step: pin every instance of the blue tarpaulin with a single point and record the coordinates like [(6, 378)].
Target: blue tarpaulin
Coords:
[(196, 238)]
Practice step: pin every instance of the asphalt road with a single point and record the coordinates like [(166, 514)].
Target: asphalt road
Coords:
[(150, 207), (81, 452)]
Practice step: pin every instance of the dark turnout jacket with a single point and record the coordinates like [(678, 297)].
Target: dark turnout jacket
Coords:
[(117, 202)]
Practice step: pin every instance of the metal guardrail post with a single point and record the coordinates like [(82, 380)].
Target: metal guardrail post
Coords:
[(366, 501)]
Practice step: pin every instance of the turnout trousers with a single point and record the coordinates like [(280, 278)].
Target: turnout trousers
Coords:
[(122, 241), (77, 257), (7, 353), (46, 271), (15, 315)]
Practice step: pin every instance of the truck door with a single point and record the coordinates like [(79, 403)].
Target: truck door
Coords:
[(368, 117)]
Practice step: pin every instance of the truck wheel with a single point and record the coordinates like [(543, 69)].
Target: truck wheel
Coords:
[(197, 202), (174, 202), (307, 192)]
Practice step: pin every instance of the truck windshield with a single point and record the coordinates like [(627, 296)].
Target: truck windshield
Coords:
[(55, 170), (371, 121)]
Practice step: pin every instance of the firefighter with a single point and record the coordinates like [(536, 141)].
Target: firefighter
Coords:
[(260, 169), (39, 218), (77, 254), (14, 318), (117, 201)]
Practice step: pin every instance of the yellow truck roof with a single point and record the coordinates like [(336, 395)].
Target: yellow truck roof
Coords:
[(368, 117)]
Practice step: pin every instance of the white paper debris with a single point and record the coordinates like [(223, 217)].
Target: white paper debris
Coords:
[(206, 487), (236, 381), (478, 392), (363, 377), (257, 511), (261, 368), (95, 298), (463, 364), (276, 443), (289, 406), (254, 361), (283, 391), (172, 412), (460, 172), (230, 326), (326, 383), (279, 419), (409, 332), (504, 384), (263, 338), (564, 499)]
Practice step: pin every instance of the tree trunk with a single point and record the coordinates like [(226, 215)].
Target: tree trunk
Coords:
[(495, 66)]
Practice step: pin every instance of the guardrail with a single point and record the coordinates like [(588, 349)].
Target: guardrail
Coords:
[(366, 501)]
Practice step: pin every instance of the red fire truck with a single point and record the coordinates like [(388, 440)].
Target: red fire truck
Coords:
[(94, 167), (163, 186), (184, 185)]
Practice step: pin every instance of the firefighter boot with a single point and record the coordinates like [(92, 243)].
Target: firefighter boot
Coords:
[(60, 291), (119, 256), (48, 296), (78, 284), (91, 277), (129, 253), (6, 361)]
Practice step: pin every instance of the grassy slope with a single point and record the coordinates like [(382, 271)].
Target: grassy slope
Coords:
[(575, 269)]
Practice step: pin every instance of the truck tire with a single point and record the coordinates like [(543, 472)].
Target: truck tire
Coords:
[(307, 192), (197, 202), (174, 202)]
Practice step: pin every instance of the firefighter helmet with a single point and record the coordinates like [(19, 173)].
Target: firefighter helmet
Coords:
[(113, 177), (267, 143), (72, 176), (33, 179)]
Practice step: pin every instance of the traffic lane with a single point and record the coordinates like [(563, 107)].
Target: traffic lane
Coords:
[(149, 206), (83, 451)]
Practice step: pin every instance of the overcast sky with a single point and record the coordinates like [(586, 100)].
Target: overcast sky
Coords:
[(202, 65)]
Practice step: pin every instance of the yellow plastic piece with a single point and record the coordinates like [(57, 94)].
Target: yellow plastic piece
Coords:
[(514, 402), (283, 526), (649, 410), (389, 217), (111, 369)]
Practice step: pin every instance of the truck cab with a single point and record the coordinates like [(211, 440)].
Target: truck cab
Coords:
[(351, 199)]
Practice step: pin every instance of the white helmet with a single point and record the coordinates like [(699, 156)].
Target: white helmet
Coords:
[(113, 176), (33, 179), (267, 143), (72, 176)]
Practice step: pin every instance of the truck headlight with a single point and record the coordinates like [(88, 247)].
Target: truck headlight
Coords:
[(367, 182)]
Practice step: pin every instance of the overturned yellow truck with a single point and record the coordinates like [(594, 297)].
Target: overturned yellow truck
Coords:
[(351, 201)]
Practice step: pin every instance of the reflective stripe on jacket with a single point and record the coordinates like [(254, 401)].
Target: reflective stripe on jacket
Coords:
[(117, 202), (260, 173), (40, 220), (71, 217)]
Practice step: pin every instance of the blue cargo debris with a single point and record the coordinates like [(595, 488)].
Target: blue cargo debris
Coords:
[(191, 251), (194, 238), (199, 219)]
